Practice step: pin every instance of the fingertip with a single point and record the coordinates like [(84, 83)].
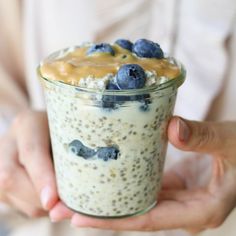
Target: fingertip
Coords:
[(48, 197), (60, 212)]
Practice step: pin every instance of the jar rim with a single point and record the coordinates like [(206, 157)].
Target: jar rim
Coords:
[(176, 82)]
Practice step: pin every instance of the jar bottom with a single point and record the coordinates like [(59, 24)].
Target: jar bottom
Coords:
[(115, 217)]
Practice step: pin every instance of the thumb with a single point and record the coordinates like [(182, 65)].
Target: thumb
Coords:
[(203, 137)]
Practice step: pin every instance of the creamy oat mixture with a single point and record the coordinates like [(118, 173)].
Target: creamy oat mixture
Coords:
[(108, 150)]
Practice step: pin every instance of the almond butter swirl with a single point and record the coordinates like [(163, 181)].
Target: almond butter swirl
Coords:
[(77, 65)]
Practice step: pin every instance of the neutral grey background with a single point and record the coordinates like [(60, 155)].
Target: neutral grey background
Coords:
[(3, 230)]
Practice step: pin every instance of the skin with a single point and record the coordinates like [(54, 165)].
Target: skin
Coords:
[(25, 155)]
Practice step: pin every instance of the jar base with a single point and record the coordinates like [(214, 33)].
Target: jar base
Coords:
[(115, 217)]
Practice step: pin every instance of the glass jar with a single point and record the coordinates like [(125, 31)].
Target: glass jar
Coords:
[(109, 147)]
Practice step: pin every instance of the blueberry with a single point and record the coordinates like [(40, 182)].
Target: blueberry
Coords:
[(139, 97), (124, 43), (112, 101), (112, 86), (145, 105), (79, 149), (148, 49), (107, 153), (145, 101), (101, 48), (131, 76), (109, 101)]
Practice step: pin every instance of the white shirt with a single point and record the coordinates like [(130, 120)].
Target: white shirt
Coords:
[(193, 30)]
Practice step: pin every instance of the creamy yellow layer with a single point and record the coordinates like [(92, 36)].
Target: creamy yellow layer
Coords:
[(77, 64)]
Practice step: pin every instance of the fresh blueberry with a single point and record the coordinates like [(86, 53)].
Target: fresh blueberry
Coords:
[(101, 48), (124, 43), (145, 106), (148, 49), (131, 76), (107, 153), (79, 149), (109, 102), (75, 146), (112, 86), (140, 97), (112, 101), (145, 101)]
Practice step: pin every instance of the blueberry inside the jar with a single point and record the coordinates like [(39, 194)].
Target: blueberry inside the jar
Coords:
[(112, 101), (79, 149), (145, 104), (108, 153), (104, 153)]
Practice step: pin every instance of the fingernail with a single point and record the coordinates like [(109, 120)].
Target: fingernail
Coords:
[(45, 196), (183, 130)]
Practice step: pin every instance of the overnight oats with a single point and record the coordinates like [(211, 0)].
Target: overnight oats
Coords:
[(108, 107)]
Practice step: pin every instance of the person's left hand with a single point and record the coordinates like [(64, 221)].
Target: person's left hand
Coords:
[(179, 206)]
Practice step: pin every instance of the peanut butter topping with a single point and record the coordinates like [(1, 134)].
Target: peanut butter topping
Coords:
[(77, 64)]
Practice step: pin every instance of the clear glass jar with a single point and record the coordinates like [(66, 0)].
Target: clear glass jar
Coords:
[(128, 125)]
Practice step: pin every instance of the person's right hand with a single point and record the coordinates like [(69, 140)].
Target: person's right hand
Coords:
[(27, 180), (182, 205)]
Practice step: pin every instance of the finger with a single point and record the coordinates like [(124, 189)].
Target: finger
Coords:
[(13, 178), (25, 207), (204, 137), (199, 194), (166, 215), (15, 182), (34, 152), (60, 212)]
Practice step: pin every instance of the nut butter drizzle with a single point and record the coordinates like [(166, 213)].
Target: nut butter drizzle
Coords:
[(77, 64)]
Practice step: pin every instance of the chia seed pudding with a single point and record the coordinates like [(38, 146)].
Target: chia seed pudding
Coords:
[(108, 107)]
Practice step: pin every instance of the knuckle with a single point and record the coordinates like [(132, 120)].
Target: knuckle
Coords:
[(6, 179), (207, 135), (31, 152), (28, 149), (31, 155)]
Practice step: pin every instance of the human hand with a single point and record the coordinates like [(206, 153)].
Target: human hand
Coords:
[(26, 170), (193, 209)]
